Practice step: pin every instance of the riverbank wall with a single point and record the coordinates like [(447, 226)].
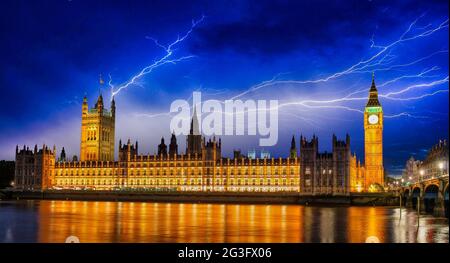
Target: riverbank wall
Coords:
[(366, 199)]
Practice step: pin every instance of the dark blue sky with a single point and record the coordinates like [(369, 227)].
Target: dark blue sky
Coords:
[(52, 53)]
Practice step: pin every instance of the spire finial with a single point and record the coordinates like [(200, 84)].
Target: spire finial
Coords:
[(195, 129), (373, 94), (101, 82)]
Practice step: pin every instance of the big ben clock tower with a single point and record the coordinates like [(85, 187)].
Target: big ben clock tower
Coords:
[(373, 141)]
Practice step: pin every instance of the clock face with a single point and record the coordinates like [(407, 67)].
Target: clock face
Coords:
[(373, 119)]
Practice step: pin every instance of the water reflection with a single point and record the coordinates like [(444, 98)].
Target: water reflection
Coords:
[(53, 221)]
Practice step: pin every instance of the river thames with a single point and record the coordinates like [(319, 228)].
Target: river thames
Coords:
[(54, 221)]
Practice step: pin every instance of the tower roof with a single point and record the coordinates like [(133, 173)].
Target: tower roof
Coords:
[(99, 101), (195, 130), (373, 94), (293, 142)]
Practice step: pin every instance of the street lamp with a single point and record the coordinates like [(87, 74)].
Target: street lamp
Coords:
[(421, 174)]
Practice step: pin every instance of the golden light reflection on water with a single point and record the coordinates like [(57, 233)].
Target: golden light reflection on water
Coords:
[(184, 222)]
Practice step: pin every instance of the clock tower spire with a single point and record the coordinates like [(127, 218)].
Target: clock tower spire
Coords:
[(373, 141), (373, 95)]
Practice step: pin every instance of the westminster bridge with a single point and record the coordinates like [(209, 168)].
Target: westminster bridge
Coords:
[(429, 195)]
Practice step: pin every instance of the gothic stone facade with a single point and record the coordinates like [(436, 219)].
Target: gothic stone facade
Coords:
[(202, 167)]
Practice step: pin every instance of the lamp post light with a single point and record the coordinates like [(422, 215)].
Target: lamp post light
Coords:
[(421, 175)]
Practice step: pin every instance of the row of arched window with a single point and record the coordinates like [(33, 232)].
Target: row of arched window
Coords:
[(91, 135), (105, 135), (91, 156), (238, 182), (153, 172)]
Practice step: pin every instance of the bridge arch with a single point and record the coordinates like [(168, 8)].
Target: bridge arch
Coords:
[(415, 196), (430, 197)]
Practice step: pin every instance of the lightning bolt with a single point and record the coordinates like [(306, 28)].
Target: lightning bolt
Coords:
[(419, 75), (166, 59), (312, 104), (380, 61), (405, 114), (331, 103), (427, 85), (382, 57), (419, 97), (392, 67)]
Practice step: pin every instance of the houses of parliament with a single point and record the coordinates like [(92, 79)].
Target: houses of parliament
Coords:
[(201, 167)]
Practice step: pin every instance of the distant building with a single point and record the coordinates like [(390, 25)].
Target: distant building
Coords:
[(436, 162), (411, 173), (434, 165)]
